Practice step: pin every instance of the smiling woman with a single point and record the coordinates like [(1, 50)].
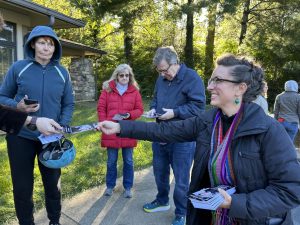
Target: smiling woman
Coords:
[(237, 145)]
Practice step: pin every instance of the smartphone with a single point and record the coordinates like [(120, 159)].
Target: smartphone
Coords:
[(30, 101)]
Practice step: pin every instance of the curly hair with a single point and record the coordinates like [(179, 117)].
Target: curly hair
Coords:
[(120, 69), (245, 71)]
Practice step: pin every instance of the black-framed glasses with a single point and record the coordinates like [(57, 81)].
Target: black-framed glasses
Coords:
[(164, 71), (123, 75), (217, 80)]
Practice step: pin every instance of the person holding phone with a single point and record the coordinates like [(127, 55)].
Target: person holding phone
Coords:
[(12, 120), (120, 99), (39, 77), (237, 145), (179, 94)]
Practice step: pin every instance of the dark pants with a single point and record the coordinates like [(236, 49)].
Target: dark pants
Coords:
[(22, 153), (180, 157)]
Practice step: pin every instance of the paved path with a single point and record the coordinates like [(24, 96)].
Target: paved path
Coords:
[(92, 208)]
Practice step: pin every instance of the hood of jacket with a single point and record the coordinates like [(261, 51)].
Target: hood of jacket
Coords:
[(39, 31), (291, 85)]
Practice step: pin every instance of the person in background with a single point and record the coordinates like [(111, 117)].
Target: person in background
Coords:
[(237, 145), (120, 99), (12, 120), (41, 77), (261, 99), (287, 108), (179, 94)]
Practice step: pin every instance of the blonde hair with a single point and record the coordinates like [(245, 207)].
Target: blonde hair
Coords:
[(120, 69)]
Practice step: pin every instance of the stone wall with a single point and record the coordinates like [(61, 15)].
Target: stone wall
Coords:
[(81, 71)]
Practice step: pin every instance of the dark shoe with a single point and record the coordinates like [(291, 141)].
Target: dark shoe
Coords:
[(51, 223), (179, 220), (156, 207)]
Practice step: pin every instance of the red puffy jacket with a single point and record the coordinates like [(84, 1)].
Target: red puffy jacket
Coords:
[(111, 103)]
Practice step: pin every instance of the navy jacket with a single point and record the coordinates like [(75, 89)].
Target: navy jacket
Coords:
[(50, 85), (264, 162), (185, 94)]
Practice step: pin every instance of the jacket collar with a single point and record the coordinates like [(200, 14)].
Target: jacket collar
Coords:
[(113, 86), (254, 120)]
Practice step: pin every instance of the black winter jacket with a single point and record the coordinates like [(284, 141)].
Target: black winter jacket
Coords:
[(264, 161)]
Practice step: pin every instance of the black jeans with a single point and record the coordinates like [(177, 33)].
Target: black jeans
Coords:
[(22, 153)]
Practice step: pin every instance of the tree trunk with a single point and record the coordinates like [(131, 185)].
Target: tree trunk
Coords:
[(127, 25), (189, 48), (210, 41), (244, 22)]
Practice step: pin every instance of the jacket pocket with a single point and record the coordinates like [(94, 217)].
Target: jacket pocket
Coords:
[(250, 155)]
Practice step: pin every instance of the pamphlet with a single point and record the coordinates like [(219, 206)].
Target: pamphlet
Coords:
[(155, 115), (210, 198), (67, 130)]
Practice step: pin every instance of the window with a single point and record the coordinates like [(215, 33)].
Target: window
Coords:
[(8, 48)]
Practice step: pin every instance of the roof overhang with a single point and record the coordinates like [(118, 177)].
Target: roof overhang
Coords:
[(40, 15), (71, 48)]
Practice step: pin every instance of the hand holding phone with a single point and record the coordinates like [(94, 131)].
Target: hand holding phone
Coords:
[(30, 101)]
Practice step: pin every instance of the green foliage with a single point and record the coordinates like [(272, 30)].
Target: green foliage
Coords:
[(87, 171), (272, 34)]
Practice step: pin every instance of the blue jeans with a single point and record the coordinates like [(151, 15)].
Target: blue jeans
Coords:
[(291, 129), (128, 171), (180, 156)]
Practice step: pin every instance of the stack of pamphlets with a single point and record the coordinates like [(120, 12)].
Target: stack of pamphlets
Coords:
[(210, 198)]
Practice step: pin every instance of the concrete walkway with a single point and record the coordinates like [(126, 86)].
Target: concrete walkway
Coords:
[(92, 208)]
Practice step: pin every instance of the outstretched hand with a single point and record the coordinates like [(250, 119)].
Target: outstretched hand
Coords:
[(109, 127)]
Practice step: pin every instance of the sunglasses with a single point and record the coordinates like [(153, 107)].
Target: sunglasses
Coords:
[(123, 75)]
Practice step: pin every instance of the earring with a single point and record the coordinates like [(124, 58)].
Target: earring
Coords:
[(237, 101)]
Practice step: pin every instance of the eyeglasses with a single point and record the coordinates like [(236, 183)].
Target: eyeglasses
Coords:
[(217, 80), (45, 44), (123, 75), (164, 71)]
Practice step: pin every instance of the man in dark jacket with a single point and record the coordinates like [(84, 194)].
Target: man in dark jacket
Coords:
[(179, 94)]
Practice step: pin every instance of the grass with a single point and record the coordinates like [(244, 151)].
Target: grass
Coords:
[(87, 171)]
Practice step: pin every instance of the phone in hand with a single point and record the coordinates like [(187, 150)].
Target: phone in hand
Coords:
[(30, 101)]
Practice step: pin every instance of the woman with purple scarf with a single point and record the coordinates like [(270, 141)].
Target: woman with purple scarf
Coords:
[(237, 145)]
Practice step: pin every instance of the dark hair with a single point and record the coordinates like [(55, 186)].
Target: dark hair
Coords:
[(245, 71)]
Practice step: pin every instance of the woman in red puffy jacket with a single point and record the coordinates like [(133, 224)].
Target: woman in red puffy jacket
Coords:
[(120, 99)]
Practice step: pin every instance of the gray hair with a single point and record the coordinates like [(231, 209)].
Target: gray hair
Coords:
[(120, 69), (167, 53), (291, 85), (245, 71)]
